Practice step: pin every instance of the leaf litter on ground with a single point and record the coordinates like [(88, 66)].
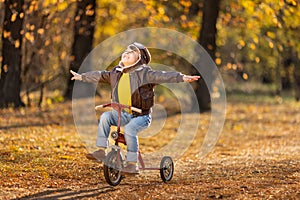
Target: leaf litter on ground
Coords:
[(256, 157)]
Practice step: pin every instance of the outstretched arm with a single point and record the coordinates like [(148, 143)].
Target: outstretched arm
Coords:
[(187, 78), (92, 76), (157, 77)]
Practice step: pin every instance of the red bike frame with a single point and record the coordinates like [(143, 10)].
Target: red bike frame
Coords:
[(121, 138)]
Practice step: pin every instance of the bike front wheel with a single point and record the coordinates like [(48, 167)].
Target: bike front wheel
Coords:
[(112, 168)]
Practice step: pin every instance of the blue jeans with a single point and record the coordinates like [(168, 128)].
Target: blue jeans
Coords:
[(132, 126)]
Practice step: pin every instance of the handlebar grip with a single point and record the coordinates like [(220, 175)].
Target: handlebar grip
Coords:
[(136, 109), (98, 107)]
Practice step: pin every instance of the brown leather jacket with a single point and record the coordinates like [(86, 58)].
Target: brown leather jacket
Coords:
[(142, 81)]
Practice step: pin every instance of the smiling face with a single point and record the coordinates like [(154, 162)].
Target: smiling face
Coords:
[(129, 58)]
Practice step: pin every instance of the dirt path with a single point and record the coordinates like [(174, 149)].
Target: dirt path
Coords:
[(256, 157)]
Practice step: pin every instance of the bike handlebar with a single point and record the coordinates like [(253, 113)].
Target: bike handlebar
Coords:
[(98, 107), (136, 109), (117, 106)]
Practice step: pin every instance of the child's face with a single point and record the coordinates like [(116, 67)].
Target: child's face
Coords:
[(129, 58)]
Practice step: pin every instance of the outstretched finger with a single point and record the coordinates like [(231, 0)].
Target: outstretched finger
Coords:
[(72, 72), (195, 77)]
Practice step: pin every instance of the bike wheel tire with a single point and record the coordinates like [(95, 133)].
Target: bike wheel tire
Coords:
[(166, 168), (112, 172)]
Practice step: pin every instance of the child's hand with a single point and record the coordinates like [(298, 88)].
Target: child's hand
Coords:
[(187, 78), (76, 76)]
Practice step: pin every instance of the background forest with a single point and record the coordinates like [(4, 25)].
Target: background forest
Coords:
[(250, 41)]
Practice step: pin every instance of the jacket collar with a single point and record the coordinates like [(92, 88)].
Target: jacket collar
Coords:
[(127, 70)]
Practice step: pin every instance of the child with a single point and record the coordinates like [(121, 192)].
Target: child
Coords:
[(132, 83)]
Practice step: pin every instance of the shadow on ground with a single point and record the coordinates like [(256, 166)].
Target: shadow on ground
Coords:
[(68, 194)]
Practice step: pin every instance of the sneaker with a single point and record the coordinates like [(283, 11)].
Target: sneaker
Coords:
[(98, 155), (130, 169)]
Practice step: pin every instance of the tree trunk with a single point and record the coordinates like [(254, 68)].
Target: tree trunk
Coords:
[(35, 52), (208, 40), (10, 82), (83, 40), (296, 76), (278, 83)]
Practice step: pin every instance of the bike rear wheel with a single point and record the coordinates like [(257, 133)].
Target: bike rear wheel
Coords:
[(166, 168), (112, 168)]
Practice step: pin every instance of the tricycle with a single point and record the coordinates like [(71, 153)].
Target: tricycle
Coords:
[(115, 160)]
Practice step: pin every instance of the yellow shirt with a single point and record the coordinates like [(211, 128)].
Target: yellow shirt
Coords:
[(124, 91)]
